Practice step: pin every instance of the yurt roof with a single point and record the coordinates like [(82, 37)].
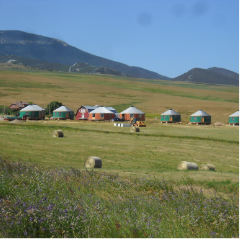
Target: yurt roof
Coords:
[(236, 114), (63, 108), (112, 109), (200, 113), (170, 112), (89, 107), (101, 110), (38, 107), (132, 110), (31, 108)]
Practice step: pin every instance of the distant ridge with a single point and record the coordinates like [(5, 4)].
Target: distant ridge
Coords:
[(225, 72), (43, 65), (56, 51), (209, 76)]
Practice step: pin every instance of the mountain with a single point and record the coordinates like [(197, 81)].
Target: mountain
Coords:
[(207, 76), (33, 63), (225, 72), (56, 51), (86, 68), (43, 65)]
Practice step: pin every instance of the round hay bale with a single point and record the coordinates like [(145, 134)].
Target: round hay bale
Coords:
[(93, 162), (208, 167), (58, 133), (135, 129), (187, 166)]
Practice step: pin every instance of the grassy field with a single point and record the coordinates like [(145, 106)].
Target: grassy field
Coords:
[(45, 191), (154, 152), (151, 96)]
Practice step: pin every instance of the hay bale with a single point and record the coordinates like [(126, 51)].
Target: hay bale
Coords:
[(58, 133), (135, 129), (208, 167), (187, 166), (16, 121), (218, 124), (93, 162)]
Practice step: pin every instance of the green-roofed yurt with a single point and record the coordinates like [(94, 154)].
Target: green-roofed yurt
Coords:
[(32, 112), (233, 119), (200, 117), (63, 112), (170, 116)]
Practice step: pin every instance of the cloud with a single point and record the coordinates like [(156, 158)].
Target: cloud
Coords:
[(144, 19)]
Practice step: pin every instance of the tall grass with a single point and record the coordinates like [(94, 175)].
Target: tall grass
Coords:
[(41, 202)]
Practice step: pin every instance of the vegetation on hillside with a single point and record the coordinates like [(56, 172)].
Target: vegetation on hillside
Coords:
[(207, 77), (225, 72)]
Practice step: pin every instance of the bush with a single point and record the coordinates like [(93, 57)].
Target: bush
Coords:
[(52, 106)]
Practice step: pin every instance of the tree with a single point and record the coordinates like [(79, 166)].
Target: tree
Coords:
[(52, 106)]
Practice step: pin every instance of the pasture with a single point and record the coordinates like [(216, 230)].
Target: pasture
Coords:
[(45, 191), (154, 152), (151, 96)]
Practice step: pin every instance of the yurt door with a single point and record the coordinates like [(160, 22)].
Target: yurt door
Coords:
[(202, 119), (67, 115), (171, 118)]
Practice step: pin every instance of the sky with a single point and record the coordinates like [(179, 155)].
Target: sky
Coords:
[(169, 37)]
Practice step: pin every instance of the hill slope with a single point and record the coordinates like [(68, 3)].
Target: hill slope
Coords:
[(12, 61), (53, 50), (204, 76), (225, 72)]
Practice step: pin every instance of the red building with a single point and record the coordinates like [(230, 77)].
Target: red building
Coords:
[(101, 113), (132, 112), (18, 105), (83, 112)]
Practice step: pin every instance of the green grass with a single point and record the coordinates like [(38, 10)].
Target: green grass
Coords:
[(155, 151), (131, 85)]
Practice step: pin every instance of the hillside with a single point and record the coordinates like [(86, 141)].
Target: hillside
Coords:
[(17, 62), (225, 72), (55, 51), (204, 76), (33, 63)]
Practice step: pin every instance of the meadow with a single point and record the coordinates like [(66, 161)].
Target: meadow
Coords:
[(138, 192), (151, 96)]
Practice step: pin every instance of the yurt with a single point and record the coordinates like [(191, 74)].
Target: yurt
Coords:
[(63, 112), (233, 119), (101, 113), (200, 117), (132, 112), (32, 112), (40, 109), (170, 116)]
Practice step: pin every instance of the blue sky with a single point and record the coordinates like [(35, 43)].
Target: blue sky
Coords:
[(169, 37)]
